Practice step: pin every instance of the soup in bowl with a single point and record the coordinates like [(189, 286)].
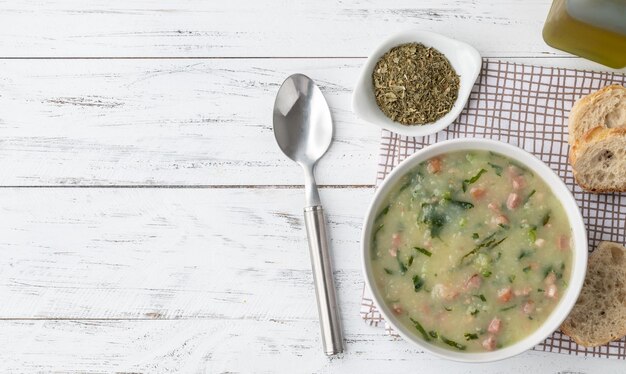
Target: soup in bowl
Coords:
[(474, 249)]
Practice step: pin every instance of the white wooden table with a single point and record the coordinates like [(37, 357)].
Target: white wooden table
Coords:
[(148, 221)]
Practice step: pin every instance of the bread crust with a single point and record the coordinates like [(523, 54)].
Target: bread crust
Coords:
[(577, 335), (590, 188), (580, 142), (587, 103), (590, 139)]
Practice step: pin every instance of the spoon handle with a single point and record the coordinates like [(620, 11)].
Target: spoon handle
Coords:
[(330, 322)]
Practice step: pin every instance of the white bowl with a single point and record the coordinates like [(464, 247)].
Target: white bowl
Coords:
[(463, 57), (579, 262)]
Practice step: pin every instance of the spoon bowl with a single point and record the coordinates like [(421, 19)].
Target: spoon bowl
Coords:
[(303, 126)]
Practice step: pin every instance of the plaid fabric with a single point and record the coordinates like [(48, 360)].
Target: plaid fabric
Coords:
[(525, 106)]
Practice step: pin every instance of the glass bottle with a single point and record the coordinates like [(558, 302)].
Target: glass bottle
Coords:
[(593, 29)]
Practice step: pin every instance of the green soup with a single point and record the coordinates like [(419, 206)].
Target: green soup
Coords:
[(471, 251)]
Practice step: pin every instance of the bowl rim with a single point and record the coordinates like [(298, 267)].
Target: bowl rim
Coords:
[(360, 94), (558, 187)]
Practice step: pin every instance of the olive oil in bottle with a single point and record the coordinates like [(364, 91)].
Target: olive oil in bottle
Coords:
[(593, 29)]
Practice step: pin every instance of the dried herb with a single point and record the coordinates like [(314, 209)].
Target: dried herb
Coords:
[(481, 297), (452, 343), (375, 241), (423, 251), (415, 84), (496, 168), (511, 278), (473, 179), (460, 204), (401, 264), (524, 253), (417, 283), (529, 196), (488, 243), (508, 308), (419, 328)]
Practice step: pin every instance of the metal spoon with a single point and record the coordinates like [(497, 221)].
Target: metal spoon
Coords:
[(303, 129)]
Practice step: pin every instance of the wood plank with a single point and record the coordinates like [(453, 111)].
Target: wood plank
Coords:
[(270, 28), (152, 122), (172, 122), (170, 253), (227, 346)]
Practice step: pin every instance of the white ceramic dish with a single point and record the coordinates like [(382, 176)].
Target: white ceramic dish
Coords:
[(579, 249), (463, 57)]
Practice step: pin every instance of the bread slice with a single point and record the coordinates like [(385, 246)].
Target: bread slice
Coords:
[(605, 107), (599, 315), (599, 160)]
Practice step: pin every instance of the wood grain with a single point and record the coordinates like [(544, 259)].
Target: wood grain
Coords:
[(171, 122), (270, 28), (171, 253), (205, 267), (239, 346), (167, 122), (273, 28)]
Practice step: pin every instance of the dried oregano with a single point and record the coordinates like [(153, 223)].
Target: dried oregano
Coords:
[(415, 84)]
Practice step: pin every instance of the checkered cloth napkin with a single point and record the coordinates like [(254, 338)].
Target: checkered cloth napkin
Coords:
[(525, 106)]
